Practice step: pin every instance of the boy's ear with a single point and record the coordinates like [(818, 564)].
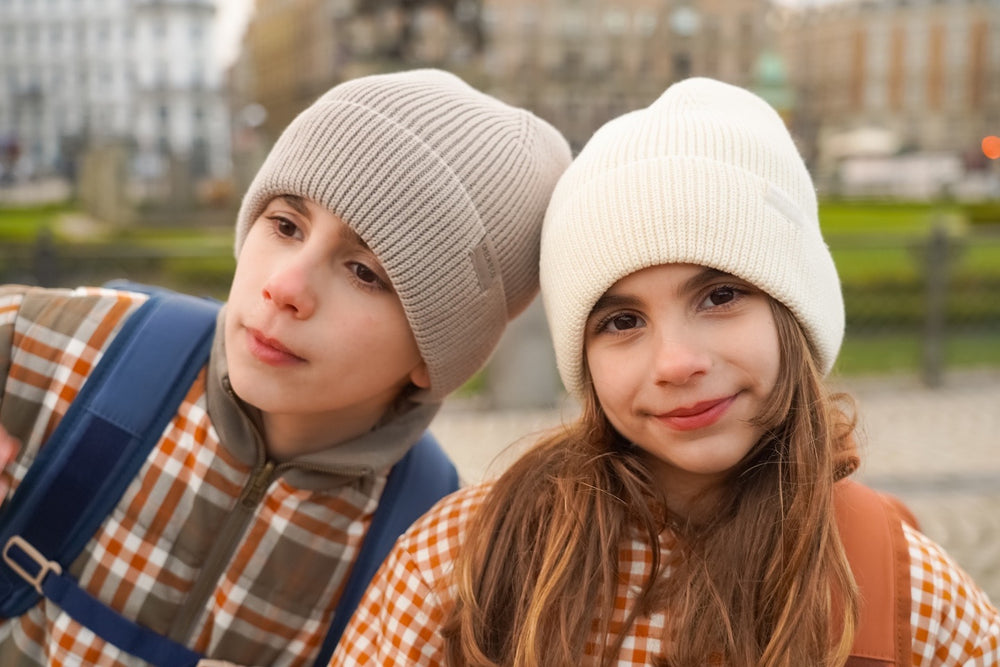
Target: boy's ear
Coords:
[(420, 376)]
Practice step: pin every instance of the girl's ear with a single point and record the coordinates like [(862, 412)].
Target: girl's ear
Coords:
[(420, 376)]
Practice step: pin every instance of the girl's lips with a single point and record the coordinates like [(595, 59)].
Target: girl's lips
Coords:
[(269, 350), (697, 416)]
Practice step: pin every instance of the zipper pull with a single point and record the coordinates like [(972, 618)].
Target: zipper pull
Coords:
[(254, 491)]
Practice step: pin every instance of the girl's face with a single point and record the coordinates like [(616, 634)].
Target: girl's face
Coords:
[(683, 358)]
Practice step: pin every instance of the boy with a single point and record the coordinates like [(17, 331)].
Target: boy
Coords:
[(382, 247)]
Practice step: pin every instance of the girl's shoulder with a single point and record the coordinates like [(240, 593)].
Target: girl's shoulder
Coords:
[(950, 613), (434, 540)]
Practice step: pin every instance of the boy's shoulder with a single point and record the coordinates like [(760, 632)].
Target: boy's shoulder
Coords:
[(63, 311), (50, 341)]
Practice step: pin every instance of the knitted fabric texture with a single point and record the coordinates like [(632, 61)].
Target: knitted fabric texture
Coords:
[(447, 186), (708, 174)]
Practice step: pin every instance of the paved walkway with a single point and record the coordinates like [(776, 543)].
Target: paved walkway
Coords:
[(938, 450)]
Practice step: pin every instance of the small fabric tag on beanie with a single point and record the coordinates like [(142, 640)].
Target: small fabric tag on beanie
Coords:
[(482, 261), (779, 200)]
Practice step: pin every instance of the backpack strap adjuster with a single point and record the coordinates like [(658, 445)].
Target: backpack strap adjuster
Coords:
[(20, 556)]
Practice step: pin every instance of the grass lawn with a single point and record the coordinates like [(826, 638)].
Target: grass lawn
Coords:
[(21, 224), (903, 353), (877, 218)]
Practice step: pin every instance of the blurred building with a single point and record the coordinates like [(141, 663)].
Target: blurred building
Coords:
[(137, 75), (884, 96), (575, 62), (295, 50), (895, 96), (580, 63)]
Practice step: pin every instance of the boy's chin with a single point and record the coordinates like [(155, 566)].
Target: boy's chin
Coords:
[(249, 388)]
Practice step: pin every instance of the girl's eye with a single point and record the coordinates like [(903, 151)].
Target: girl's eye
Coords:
[(721, 296), (621, 322)]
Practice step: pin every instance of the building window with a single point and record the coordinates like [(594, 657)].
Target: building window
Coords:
[(615, 21), (645, 23)]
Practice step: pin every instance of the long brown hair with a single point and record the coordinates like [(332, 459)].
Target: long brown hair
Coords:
[(763, 582)]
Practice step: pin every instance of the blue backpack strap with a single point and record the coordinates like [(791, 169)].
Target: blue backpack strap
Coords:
[(95, 615), (420, 479), (96, 451)]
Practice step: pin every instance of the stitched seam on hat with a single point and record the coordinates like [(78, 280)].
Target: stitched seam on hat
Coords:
[(783, 204), (485, 270)]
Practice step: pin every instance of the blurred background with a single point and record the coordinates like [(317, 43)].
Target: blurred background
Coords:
[(130, 128)]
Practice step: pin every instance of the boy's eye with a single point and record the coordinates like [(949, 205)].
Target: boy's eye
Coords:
[(366, 275), (285, 227)]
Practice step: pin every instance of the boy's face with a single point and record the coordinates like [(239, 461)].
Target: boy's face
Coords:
[(316, 338)]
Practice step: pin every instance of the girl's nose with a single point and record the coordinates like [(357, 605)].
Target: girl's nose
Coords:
[(679, 357), (290, 288)]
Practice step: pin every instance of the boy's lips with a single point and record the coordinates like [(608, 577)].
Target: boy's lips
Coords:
[(270, 350), (699, 415)]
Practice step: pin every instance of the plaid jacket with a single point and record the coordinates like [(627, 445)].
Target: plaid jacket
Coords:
[(212, 544), (398, 621)]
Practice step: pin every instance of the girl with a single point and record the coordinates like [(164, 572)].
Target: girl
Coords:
[(696, 513)]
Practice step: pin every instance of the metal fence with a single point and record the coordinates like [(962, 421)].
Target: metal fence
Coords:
[(940, 292)]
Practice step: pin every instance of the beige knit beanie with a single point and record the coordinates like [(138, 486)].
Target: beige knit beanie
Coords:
[(448, 187), (707, 174)]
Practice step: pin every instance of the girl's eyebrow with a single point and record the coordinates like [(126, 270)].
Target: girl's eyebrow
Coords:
[(612, 301), (703, 277)]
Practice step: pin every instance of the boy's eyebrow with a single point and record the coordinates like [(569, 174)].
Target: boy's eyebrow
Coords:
[(346, 233), (297, 203)]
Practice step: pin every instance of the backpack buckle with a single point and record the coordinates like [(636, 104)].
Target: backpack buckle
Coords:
[(27, 552)]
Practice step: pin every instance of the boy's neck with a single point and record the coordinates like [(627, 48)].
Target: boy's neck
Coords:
[(290, 436)]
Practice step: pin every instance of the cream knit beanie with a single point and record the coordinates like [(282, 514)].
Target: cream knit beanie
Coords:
[(448, 187), (708, 174)]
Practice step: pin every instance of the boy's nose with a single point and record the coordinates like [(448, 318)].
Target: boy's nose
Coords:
[(289, 288), (678, 357)]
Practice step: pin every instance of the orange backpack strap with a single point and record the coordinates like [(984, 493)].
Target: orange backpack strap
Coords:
[(871, 531)]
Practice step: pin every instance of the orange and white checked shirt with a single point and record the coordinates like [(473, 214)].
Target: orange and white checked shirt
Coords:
[(249, 573), (398, 621)]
